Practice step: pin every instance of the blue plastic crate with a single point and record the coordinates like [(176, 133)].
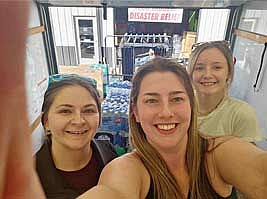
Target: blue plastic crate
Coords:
[(114, 122)]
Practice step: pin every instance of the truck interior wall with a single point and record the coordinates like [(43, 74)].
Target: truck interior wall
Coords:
[(248, 54), (63, 28), (36, 77), (212, 24), (108, 29)]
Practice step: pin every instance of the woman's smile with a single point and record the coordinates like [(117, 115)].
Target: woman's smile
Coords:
[(76, 132), (166, 129)]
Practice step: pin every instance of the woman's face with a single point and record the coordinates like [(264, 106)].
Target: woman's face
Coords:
[(210, 72), (163, 110), (73, 118)]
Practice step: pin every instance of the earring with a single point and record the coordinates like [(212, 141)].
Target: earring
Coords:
[(48, 132)]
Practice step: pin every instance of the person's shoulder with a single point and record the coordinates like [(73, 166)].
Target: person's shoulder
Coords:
[(240, 107), (127, 175), (127, 165), (226, 143), (239, 103), (215, 142), (128, 160)]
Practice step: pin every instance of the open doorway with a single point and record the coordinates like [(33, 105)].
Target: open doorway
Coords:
[(86, 33)]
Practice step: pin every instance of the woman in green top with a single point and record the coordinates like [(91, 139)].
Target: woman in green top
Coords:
[(211, 69)]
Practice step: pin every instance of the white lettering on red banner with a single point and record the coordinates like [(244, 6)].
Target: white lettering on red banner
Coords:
[(155, 15)]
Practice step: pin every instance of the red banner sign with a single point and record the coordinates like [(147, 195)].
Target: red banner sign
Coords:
[(155, 15)]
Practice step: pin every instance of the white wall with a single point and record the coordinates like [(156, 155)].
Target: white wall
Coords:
[(254, 20), (108, 29), (36, 75), (212, 24), (62, 19), (248, 54), (63, 28)]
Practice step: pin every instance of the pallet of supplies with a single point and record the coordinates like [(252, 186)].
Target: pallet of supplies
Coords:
[(85, 71), (189, 38)]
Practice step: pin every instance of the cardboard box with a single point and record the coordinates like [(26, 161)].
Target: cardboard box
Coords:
[(84, 70), (189, 38)]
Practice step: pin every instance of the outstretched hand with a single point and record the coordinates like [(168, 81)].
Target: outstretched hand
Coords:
[(17, 174)]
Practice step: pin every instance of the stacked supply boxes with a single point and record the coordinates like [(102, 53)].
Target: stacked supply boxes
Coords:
[(104, 69), (189, 38), (85, 71), (114, 124)]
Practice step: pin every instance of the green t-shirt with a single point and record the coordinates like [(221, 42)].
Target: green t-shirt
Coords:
[(232, 117)]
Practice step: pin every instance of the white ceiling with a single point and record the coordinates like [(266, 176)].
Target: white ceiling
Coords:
[(148, 3)]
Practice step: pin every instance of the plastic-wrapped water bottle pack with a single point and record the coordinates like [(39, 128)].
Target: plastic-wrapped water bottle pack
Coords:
[(115, 114), (117, 100)]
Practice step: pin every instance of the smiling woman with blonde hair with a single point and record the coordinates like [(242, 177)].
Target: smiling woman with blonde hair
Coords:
[(211, 68)]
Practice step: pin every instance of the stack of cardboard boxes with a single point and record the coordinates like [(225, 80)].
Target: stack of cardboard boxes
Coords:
[(189, 38), (84, 70)]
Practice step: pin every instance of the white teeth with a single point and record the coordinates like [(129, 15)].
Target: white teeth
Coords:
[(77, 132), (166, 127), (208, 83)]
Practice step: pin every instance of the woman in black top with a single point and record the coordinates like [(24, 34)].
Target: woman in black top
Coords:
[(170, 156), (70, 161)]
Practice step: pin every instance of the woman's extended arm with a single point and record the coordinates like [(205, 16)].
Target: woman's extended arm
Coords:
[(17, 174), (100, 192), (121, 178), (243, 165)]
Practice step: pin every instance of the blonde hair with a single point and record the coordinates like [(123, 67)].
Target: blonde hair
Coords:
[(164, 183), (223, 48)]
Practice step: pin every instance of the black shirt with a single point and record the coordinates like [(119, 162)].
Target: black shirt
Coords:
[(58, 186)]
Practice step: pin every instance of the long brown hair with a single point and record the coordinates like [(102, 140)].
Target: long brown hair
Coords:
[(165, 185), (56, 86)]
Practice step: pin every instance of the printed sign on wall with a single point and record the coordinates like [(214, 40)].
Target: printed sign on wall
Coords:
[(164, 15)]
